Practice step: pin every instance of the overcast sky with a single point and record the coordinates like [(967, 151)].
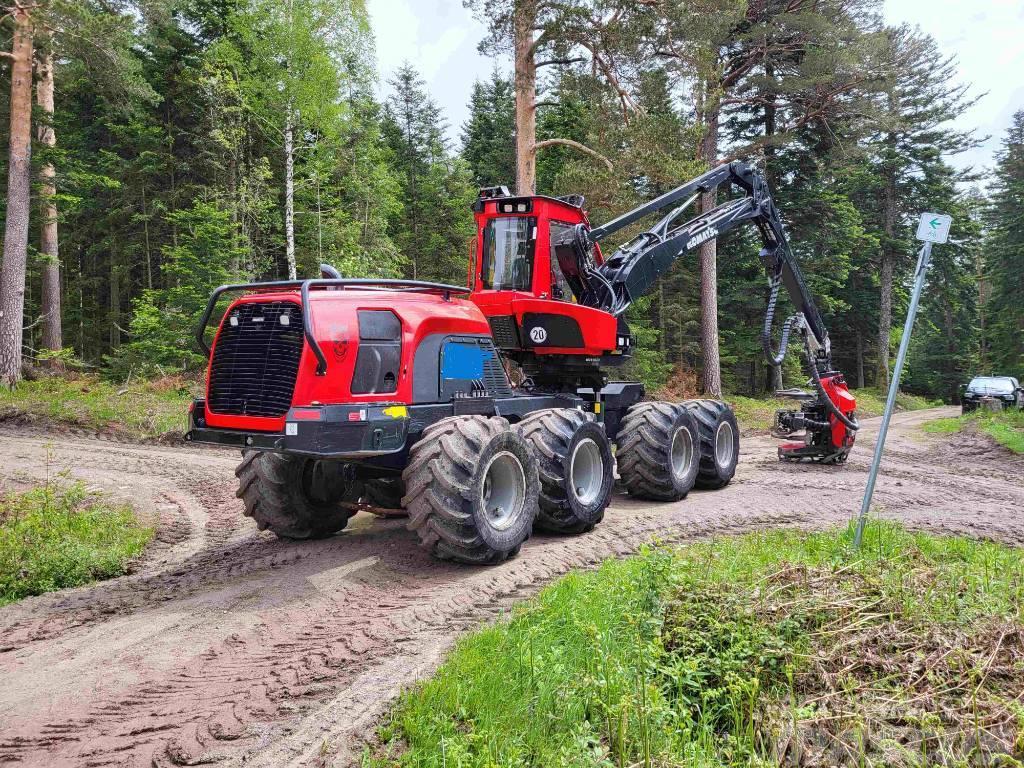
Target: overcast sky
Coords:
[(439, 37)]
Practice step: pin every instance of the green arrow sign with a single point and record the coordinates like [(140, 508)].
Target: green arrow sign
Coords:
[(933, 227)]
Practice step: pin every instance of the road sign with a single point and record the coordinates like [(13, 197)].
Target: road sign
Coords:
[(934, 227), (923, 262)]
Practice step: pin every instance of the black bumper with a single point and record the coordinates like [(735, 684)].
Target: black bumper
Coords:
[(331, 431)]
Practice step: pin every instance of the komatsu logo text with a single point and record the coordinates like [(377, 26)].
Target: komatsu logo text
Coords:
[(702, 237)]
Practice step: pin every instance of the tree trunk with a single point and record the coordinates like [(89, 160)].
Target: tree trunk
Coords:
[(884, 320), (115, 300), (289, 194), (979, 272), (860, 360), (526, 94), (12, 273), (887, 268), (948, 367), (712, 374), (48, 243)]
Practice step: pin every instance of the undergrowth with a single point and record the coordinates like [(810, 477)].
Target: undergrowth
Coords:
[(1005, 427), (777, 648), (136, 409), (59, 536), (758, 414)]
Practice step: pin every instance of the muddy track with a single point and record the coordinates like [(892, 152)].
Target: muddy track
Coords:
[(229, 646)]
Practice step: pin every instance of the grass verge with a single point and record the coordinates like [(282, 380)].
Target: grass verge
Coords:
[(778, 648), (61, 536), (1005, 427), (138, 410), (758, 414)]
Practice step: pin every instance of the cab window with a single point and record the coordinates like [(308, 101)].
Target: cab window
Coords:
[(508, 253), (560, 289)]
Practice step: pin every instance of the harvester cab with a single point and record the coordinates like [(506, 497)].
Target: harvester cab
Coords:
[(527, 280), (345, 394)]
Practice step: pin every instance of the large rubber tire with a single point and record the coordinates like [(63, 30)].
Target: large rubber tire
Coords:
[(294, 496), (657, 451), (576, 470), (719, 442), (457, 470), (384, 492)]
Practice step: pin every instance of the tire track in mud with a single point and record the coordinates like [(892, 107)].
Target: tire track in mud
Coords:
[(246, 648)]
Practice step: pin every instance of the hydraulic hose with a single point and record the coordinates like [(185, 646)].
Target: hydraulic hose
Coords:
[(816, 378), (769, 319), (776, 359)]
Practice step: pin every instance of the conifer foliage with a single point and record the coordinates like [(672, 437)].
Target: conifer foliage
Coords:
[(158, 149)]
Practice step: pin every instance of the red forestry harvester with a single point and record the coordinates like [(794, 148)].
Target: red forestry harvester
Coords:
[(396, 392)]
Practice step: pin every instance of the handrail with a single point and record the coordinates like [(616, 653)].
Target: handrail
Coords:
[(304, 287)]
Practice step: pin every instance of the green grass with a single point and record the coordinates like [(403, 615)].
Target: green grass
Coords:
[(718, 653), (1005, 427), (758, 414), (61, 536), (143, 409)]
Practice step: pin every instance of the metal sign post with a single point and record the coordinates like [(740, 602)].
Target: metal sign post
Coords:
[(933, 228)]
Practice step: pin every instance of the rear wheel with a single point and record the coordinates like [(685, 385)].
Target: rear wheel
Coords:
[(719, 442), (657, 451), (294, 496), (575, 462), (471, 489)]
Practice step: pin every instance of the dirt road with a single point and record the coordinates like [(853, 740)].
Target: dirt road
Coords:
[(230, 646)]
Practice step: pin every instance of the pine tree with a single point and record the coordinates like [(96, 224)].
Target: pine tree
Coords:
[(433, 226), (915, 108), (12, 273), (488, 136), (1004, 258), (944, 350)]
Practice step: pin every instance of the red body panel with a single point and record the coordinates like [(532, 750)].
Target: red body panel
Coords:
[(335, 326), (840, 395), (599, 328)]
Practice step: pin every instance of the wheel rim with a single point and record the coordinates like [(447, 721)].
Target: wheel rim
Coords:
[(504, 490), (586, 472), (724, 441), (682, 451)]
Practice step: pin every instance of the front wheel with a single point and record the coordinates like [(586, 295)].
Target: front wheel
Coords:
[(719, 442), (471, 489), (294, 496)]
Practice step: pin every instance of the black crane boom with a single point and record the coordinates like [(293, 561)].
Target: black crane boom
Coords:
[(633, 269)]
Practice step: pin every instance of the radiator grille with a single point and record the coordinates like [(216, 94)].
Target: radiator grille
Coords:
[(504, 331), (495, 380), (256, 360)]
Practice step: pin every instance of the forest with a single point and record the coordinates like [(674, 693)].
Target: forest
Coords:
[(158, 148)]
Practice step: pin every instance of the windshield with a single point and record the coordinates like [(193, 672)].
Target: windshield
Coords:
[(989, 386), (508, 254)]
